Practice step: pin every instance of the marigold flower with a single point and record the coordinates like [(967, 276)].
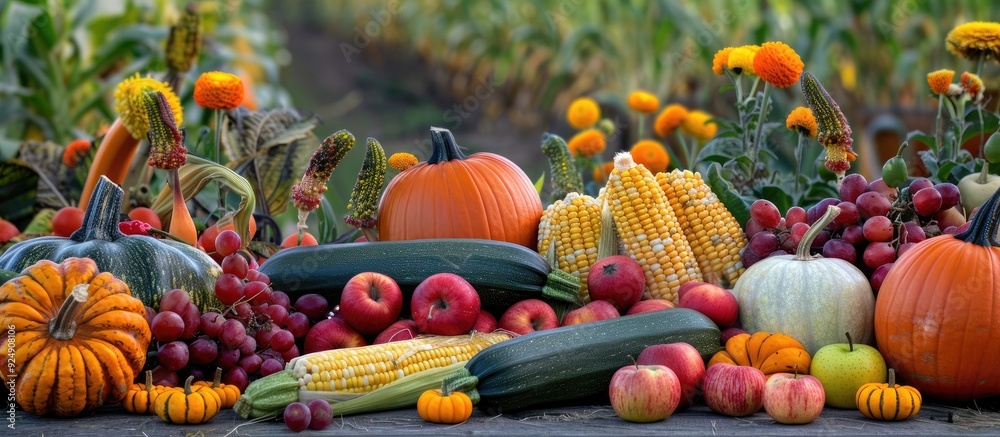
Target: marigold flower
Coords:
[(741, 59), (218, 90), (583, 113), (643, 101), (669, 119), (587, 143), (602, 172), (973, 85), (971, 39), (651, 154), (401, 161), (130, 98), (801, 120), (74, 151), (940, 80), (697, 125), (777, 64), (721, 60)]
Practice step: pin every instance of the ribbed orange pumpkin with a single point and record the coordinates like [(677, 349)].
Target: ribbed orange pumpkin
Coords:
[(482, 196), (937, 315)]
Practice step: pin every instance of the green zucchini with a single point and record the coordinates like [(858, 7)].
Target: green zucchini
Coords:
[(573, 362), (502, 273)]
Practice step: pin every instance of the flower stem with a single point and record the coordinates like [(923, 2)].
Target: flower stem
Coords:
[(979, 63), (684, 149), (218, 157), (938, 136), (798, 162), (739, 87), (760, 129), (641, 120)]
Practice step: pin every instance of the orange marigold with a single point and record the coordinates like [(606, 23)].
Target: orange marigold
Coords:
[(583, 113), (74, 151), (643, 101), (741, 59), (971, 39), (803, 121), (602, 172), (777, 64), (651, 154), (218, 90), (587, 143), (400, 161), (721, 60), (940, 80), (669, 119), (697, 125)]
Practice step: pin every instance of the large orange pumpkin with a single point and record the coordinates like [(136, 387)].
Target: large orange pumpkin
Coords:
[(482, 196), (937, 315)]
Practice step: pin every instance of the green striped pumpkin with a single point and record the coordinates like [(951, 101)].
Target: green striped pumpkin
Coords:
[(149, 266)]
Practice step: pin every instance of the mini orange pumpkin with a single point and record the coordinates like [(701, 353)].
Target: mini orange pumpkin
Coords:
[(139, 398), (436, 406), (228, 393), (771, 353), (85, 324), (889, 401), (198, 404)]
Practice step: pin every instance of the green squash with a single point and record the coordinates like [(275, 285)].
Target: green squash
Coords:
[(149, 266)]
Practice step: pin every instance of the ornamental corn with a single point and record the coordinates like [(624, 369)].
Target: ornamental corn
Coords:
[(572, 227), (714, 234), (649, 230), (564, 175)]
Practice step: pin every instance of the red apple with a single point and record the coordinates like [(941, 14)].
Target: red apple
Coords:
[(644, 393), (332, 333), (684, 360), (485, 323), (370, 302), (793, 399), (713, 301), (687, 286), (445, 304), (617, 279), (592, 312), (402, 330), (733, 390), (528, 316), (730, 333), (645, 306)]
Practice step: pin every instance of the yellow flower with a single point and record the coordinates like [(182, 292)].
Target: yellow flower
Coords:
[(777, 64), (940, 80), (971, 39), (602, 172), (669, 119), (218, 90), (741, 59), (587, 143), (973, 85), (801, 120), (643, 102), (130, 99), (721, 60), (583, 113), (696, 124), (651, 154), (401, 161)]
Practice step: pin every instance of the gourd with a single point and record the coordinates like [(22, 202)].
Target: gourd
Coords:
[(888, 401), (197, 404), (139, 399), (937, 318), (228, 393), (71, 317), (811, 298), (482, 196), (148, 265), (771, 353), (436, 406)]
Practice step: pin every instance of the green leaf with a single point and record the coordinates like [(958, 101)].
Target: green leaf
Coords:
[(720, 147), (920, 136), (540, 183), (777, 196), (327, 218), (18, 185), (929, 160), (726, 193), (944, 169)]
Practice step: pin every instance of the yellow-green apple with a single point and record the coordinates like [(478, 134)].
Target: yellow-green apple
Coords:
[(645, 306), (730, 333), (733, 390), (617, 279), (592, 312), (975, 193), (332, 333), (485, 322), (401, 330), (843, 368), (445, 304), (528, 316), (684, 360), (687, 286), (717, 303), (644, 393), (792, 398), (371, 302)]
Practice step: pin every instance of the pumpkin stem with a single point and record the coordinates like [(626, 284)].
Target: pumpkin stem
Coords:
[(62, 327), (149, 380), (802, 252), (218, 377), (187, 385), (892, 378), (100, 221), (444, 146), (850, 343), (983, 230)]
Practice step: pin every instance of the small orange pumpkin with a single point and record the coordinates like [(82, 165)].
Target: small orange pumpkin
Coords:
[(139, 398), (436, 406), (228, 393), (771, 353), (889, 401), (198, 404)]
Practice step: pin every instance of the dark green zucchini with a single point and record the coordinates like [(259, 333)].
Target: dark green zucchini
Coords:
[(502, 273), (6, 275), (576, 361)]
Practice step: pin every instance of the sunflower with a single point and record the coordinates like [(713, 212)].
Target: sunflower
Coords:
[(218, 90), (741, 59), (130, 98), (587, 143), (777, 64), (669, 119), (697, 125), (651, 154), (401, 161), (801, 120), (973, 39), (721, 60), (583, 113), (643, 102), (940, 80)]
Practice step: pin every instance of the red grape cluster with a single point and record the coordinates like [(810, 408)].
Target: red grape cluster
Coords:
[(876, 224), (317, 415), (254, 335)]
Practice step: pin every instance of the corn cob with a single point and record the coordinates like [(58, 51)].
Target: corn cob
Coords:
[(649, 230), (184, 41), (565, 178), (714, 234), (572, 228)]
